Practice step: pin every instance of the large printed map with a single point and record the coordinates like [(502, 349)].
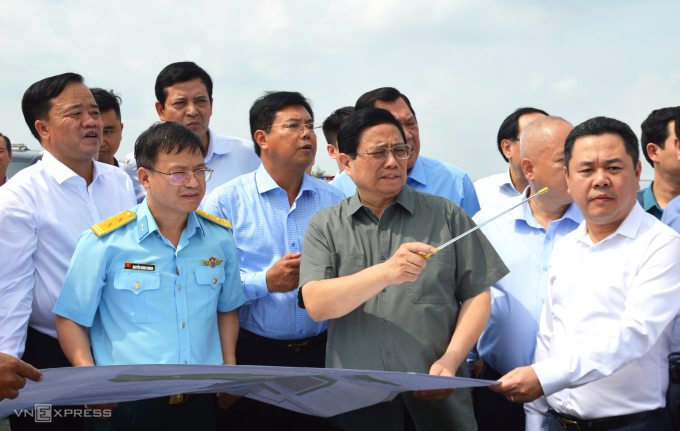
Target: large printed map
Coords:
[(316, 391)]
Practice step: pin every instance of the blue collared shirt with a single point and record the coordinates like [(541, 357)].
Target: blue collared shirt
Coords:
[(266, 228), (671, 217), (509, 340), (433, 177), (164, 312), (648, 201)]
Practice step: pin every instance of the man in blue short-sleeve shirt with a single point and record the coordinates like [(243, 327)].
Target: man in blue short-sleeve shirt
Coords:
[(158, 284)]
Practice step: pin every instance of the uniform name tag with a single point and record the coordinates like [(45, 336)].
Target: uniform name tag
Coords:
[(140, 266)]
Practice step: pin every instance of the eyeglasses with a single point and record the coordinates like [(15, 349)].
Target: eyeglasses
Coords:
[(379, 154), (296, 127), (182, 177)]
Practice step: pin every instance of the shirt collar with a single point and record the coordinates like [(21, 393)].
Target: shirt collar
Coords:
[(216, 145), (629, 227), (417, 172), (265, 182), (58, 170), (404, 198), (523, 212), (146, 223), (649, 198)]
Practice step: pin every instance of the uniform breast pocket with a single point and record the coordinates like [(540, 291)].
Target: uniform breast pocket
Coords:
[(436, 283), (140, 295), (208, 285), (346, 264)]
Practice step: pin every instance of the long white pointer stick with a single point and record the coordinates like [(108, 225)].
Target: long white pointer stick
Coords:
[(448, 243)]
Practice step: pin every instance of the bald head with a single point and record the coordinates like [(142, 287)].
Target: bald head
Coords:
[(542, 135)]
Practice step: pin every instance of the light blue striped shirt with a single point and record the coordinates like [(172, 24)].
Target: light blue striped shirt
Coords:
[(509, 340), (266, 228), (433, 177)]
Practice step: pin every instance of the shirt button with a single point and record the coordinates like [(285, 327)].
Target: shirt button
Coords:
[(547, 238), (179, 287), (214, 280), (389, 354), (384, 321), (384, 290), (185, 362), (182, 324), (545, 268), (137, 285), (337, 258), (382, 257)]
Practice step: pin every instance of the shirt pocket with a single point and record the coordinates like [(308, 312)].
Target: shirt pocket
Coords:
[(208, 284), (436, 283), (345, 264), (140, 295)]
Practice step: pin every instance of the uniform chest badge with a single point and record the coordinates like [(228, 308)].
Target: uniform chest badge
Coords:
[(212, 262)]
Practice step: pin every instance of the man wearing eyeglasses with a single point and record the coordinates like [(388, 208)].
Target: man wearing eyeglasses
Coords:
[(423, 173), (388, 308), (158, 284), (184, 96), (270, 209)]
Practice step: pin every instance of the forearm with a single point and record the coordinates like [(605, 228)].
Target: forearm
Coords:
[(336, 297), (472, 319), (74, 342), (228, 326)]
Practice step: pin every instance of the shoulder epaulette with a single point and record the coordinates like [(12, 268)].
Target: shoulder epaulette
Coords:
[(212, 218), (113, 223)]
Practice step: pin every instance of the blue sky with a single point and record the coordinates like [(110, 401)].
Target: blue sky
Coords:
[(465, 65)]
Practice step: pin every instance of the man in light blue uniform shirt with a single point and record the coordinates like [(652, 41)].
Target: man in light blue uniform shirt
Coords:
[(158, 284), (424, 174), (524, 238), (270, 209)]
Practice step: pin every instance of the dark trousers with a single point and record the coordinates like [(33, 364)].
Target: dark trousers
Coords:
[(656, 422), (492, 410), (198, 414), (246, 414), (43, 351), (673, 395)]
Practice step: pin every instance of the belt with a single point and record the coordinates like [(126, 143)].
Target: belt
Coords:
[(289, 347), (674, 372), (173, 399), (572, 423)]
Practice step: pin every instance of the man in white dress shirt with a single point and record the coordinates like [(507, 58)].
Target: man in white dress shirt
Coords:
[(330, 127), (45, 208), (494, 190), (613, 294), (184, 96)]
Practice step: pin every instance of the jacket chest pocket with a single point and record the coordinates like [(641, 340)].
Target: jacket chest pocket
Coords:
[(208, 285), (436, 283), (140, 295)]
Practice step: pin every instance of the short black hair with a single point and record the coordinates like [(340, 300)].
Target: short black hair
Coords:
[(180, 72), (165, 136), (510, 126), (37, 100), (7, 143), (107, 100), (383, 94), (264, 110), (349, 135), (599, 126), (655, 129), (332, 124)]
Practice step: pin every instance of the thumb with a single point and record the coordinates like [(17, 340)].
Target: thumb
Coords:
[(30, 372), (292, 255)]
